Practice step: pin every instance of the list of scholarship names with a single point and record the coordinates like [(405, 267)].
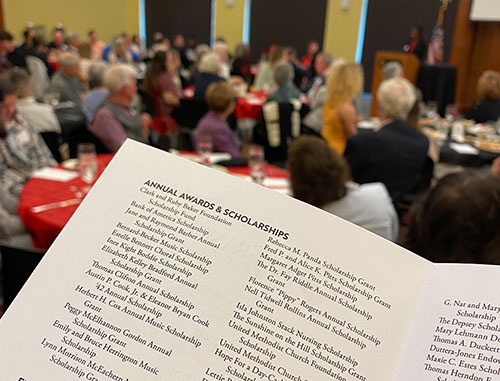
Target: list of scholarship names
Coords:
[(465, 344), (155, 247), (267, 346)]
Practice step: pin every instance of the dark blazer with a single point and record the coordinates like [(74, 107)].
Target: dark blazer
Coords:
[(394, 155), (202, 81), (485, 111)]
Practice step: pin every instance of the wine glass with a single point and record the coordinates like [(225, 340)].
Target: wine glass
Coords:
[(205, 146), (88, 162)]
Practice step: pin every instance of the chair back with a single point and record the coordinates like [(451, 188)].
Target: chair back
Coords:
[(17, 265), (275, 131), (81, 134), (53, 141), (189, 112)]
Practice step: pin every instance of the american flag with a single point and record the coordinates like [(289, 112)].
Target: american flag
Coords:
[(435, 52)]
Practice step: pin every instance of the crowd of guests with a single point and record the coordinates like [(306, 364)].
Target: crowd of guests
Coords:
[(124, 90)]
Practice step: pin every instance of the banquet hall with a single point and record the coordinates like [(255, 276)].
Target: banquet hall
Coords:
[(385, 113)]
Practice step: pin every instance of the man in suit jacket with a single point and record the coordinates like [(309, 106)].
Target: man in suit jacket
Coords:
[(394, 155)]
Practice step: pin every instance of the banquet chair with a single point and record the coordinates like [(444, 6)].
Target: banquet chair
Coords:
[(81, 134), (189, 112), (276, 141), (53, 141), (17, 265), (404, 204)]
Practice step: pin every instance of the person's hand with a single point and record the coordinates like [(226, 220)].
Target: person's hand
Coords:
[(146, 123), (495, 167)]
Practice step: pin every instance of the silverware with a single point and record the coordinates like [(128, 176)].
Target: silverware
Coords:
[(55, 205)]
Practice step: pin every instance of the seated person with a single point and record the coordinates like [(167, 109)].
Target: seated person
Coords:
[(283, 76), (344, 84), (264, 79), (162, 80), (117, 119), (10, 55), (208, 71), (394, 155), (319, 176), (488, 90), (317, 93), (41, 116), (12, 229), (22, 150), (98, 92), (220, 99), (458, 220), (392, 69), (67, 82)]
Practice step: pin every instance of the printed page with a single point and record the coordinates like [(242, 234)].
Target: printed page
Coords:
[(457, 330), (172, 270)]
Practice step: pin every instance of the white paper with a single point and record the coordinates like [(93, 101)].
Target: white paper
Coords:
[(55, 174), (457, 330), (180, 272), (464, 149)]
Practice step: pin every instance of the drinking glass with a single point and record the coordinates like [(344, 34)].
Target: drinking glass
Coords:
[(205, 146), (432, 110), (256, 163), (88, 162), (258, 172), (451, 113)]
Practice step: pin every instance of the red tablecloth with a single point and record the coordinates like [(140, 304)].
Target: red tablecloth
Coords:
[(248, 107), (45, 226)]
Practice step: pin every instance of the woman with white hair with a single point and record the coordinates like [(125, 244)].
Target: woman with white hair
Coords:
[(117, 119), (394, 155), (283, 76), (208, 73)]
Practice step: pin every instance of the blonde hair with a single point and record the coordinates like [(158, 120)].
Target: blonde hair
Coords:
[(344, 83), (488, 86)]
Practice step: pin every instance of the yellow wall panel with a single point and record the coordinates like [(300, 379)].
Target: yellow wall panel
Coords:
[(108, 17), (229, 21), (341, 29)]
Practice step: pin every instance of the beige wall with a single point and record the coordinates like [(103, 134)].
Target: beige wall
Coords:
[(116, 16), (341, 29), (108, 17)]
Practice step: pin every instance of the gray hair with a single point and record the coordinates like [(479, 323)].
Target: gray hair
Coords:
[(327, 57), (118, 76), (210, 63), (396, 98), (283, 73), (96, 74), (220, 48), (392, 69), (68, 59), (201, 50)]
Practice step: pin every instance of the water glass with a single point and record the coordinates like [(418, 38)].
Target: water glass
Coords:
[(256, 163), (88, 162), (432, 110), (205, 147), (258, 172), (255, 155)]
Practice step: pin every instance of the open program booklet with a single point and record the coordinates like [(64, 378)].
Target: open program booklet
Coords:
[(173, 271)]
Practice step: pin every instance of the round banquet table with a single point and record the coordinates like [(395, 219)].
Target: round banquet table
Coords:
[(248, 107), (45, 226)]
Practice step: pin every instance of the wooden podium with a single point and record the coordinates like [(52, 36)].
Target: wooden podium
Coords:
[(409, 62)]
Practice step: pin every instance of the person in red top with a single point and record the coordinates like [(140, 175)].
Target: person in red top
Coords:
[(417, 45), (312, 49)]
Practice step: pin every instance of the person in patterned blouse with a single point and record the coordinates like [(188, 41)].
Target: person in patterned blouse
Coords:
[(22, 150)]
